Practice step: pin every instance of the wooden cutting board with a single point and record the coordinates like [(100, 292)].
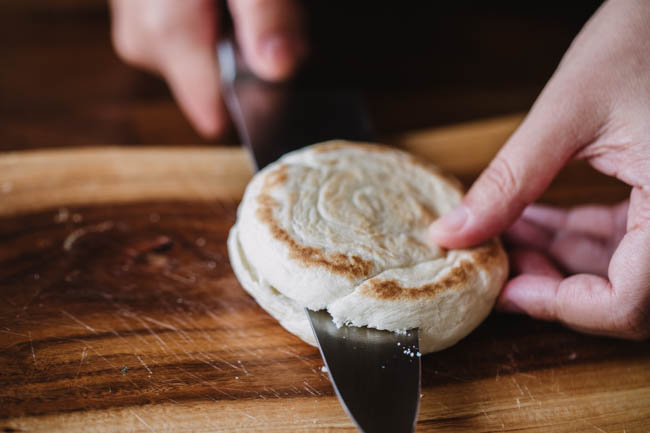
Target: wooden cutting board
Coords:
[(120, 311)]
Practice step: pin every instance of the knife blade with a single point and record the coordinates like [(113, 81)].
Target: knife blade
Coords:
[(275, 118), (375, 374)]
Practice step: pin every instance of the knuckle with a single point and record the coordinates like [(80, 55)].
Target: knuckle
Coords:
[(635, 323), (136, 42), (135, 35), (501, 177), (126, 47), (154, 23)]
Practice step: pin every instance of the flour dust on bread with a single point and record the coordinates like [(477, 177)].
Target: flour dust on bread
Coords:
[(342, 226)]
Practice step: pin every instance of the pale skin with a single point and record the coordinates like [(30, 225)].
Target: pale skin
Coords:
[(587, 267), (177, 39)]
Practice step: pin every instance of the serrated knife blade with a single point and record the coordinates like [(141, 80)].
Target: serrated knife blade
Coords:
[(375, 374)]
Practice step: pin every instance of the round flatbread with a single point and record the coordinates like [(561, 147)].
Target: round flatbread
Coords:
[(342, 226)]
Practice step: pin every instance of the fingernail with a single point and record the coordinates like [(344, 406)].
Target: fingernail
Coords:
[(450, 223)]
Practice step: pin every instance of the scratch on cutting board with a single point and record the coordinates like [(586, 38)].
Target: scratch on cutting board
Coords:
[(185, 336), (530, 394), (521, 391), (256, 353), (106, 360), (32, 347), (127, 341), (8, 331), (180, 278), (207, 360), (486, 414), (598, 428), (227, 363), (128, 328), (206, 383), (179, 331), (201, 330), (159, 323), (161, 342), (220, 391), (295, 355), (273, 391), (141, 420), (84, 352), (144, 364), (189, 354), (69, 241), (225, 324), (242, 366), (310, 389), (182, 322), (88, 327)]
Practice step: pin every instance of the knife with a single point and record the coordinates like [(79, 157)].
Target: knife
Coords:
[(375, 374)]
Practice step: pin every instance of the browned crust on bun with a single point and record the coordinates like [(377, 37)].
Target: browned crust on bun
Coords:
[(349, 266), (461, 274)]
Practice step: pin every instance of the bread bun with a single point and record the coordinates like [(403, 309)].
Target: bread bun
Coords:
[(342, 226)]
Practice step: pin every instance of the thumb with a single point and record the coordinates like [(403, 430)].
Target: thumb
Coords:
[(552, 132)]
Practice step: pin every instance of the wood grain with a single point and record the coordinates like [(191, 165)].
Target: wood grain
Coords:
[(33, 180), (121, 312)]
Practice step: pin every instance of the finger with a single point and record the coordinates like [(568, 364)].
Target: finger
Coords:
[(605, 222), (527, 261), (578, 253), (528, 234), (192, 73), (590, 303), (553, 131), (582, 301), (575, 252), (271, 34), (177, 40), (128, 31)]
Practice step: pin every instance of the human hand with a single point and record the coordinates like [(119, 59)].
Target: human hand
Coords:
[(597, 107), (177, 39)]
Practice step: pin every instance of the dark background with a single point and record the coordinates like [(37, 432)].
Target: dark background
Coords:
[(419, 66)]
